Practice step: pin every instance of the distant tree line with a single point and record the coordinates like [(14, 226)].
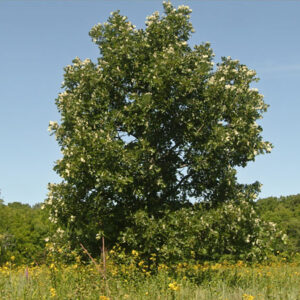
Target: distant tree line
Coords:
[(23, 230), (285, 212)]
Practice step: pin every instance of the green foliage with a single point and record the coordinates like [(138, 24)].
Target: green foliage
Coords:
[(150, 126), (232, 231), (285, 212), (22, 232)]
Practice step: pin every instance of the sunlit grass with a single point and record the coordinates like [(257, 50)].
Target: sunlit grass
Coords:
[(135, 279)]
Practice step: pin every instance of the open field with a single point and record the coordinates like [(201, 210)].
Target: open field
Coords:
[(135, 280)]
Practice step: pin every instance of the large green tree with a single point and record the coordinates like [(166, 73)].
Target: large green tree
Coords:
[(151, 125)]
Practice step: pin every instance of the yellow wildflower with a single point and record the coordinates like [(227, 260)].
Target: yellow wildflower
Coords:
[(248, 297), (173, 286), (141, 263), (52, 292)]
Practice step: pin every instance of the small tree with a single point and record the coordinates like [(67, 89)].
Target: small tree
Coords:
[(150, 126)]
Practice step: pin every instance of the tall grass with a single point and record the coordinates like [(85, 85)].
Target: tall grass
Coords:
[(135, 280)]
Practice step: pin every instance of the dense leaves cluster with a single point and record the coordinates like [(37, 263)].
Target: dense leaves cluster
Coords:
[(285, 212), (23, 230), (233, 231), (149, 126)]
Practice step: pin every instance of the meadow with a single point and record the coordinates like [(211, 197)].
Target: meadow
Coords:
[(132, 276), (135, 279)]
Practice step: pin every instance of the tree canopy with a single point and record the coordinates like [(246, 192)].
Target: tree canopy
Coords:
[(153, 124)]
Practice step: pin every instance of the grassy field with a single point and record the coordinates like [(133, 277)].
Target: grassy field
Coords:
[(135, 280)]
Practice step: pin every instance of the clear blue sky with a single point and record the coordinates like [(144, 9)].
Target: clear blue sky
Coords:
[(39, 38)]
